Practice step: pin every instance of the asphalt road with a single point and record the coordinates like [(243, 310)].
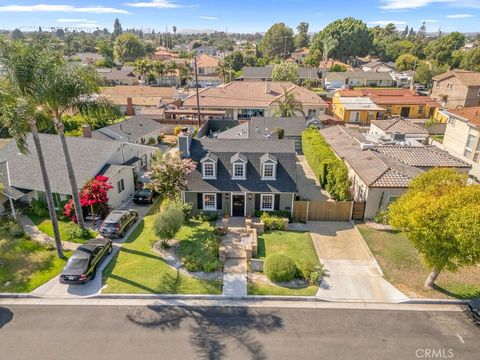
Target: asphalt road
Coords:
[(134, 332)]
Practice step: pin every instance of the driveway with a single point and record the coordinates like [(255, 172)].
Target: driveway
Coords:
[(54, 289), (352, 272), (308, 185)]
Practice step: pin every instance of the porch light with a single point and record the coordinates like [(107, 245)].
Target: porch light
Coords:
[(227, 196), (250, 196)]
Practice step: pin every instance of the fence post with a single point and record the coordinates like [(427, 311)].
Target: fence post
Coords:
[(308, 209), (351, 210)]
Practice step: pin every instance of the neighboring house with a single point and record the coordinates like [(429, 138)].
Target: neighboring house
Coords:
[(207, 50), (138, 129), (264, 73), (399, 128), (243, 100), (119, 76), (457, 88), (132, 100), (355, 109), (300, 54), (207, 71), (462, 136), (329, 63), (122, 162), (87, 58), (382, 173), (360, 78), (379, 66), (236, 177), (163, 53)]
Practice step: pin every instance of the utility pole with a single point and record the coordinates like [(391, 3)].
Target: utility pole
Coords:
[(413, 75), (196, 90)]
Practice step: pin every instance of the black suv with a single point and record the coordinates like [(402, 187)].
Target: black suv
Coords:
[(473, 308), (144, 196), (118, 222), (82, 265)]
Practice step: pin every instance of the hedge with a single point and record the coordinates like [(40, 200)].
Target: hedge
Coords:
[(330, 171)]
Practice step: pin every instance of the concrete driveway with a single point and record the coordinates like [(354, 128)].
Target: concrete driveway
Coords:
[(308, 185), (352, 272), (55, 289)]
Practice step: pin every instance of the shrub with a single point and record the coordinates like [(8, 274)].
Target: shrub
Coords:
[(151, 141), (169, 220), (177, 130), (272, 222), (207, 216), (160, 138), (75, 232), (382, 217), (280, 132), (278, 213), (280, 268), (211, 266), (15, 230), (38, 208), (219, 231), (191, 263), (309, 271)]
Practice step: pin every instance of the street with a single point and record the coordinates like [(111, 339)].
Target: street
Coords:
[(171, 332)]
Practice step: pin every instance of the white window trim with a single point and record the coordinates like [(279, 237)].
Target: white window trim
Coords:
[(214, 170), (208, 208), (274, 171), (244, 166), (262, 196)]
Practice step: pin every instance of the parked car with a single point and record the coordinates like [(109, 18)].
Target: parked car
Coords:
[(144, 196), (82, 265), (473, 308), (118, 222)]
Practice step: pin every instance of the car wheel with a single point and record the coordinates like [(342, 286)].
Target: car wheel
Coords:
[(110, 249)]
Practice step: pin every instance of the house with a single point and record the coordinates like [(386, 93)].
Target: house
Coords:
[(462, 136), (207, 67), (400, 128), (139, 129), (123, 75), (360, 78), (381, 173), (206, 50), (329, 63), (132, 100), (264, 73), (244, 99), (300, 54), (87, 58), (379, 66), (457, 88), (355, 109), (122, 162), (237, 177), (163, 53)]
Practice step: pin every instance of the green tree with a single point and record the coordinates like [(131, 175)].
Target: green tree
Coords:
[(328, 44), (288, 105), (441, 50), (17, 34), (301, 38), (128, 47), (117, 29), (159, 68), (143, 67), (169, 221), (278, 41), (313, 58), (338, 68), (396, 48), (471, 60), (234, 60), (405, 62), (285, 71), (440, 214), (425, 72)]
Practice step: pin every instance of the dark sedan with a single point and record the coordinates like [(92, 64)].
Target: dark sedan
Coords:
[(82, 265), (473, 309), (144, 196)]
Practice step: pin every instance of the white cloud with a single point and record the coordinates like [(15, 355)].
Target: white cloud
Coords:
[(207, 17), (158, 4), (415, 4), (459, 16), (61, 8), (386, 22)]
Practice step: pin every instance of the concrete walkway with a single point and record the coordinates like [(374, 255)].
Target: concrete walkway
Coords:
[(308, 185), (235, 267), (352, 272)]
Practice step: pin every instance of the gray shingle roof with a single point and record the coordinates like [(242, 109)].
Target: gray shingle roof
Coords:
[(399, 126), (253, 150), (262, 127), (265, 72)]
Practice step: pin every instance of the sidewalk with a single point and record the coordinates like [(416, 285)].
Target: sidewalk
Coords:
[(235, 267)]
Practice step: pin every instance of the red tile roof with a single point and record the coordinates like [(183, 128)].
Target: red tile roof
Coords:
[(472, 114)]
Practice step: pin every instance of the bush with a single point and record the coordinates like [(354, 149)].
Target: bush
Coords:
[(192, 264), (151, 141), (309, 271), (15, 230), (169, 220), (278, 213), (160, 138), (219, 231), (38, 208), (280, 132), (177, 130), (382, 217), (74, 233), (207, 216), (211, 266), (272, 222), (280, 268)]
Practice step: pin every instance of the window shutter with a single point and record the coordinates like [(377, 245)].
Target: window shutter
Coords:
[(257, 201), (219, 201), (199, 201), (276, 205)]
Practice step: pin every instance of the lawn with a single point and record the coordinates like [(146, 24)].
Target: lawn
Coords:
[(26, 264), (44, 224), (403, 267), (138, 270), (298, 245)]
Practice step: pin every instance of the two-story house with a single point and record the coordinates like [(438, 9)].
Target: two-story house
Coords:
[(457, 88)]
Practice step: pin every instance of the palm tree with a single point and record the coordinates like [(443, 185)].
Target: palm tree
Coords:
[(289, 106), (159, 69), (22, 63), (223, 70), (185, 73), (328, 44), (143, 67)]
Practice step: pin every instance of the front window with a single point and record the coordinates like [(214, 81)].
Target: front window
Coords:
[(269, 171), (210, 202), (312, 112), (238, 171), (266, 202), (120, 186), (249, 113), (209, 171), (421, 109), (451, 120)]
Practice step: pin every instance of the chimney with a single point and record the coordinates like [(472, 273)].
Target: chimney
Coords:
[(184, 142), (130, 109), (268, 87), (87, 131)]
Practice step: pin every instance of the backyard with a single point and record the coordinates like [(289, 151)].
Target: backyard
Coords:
[(25, 264), (295, 244), (44, 224), (403, 267)]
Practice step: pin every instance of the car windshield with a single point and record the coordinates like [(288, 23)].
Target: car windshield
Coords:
[(76, 263), (144, 192), (109, 225)]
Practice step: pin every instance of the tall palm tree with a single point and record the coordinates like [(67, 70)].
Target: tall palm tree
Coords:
[(185, 73), (22, 63), (158, 67), (288, 105), (328, 44), (223, 71), (143, 67)]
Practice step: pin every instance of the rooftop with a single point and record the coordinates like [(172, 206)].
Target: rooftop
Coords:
[(359, 103), (399, 126), (205, 60), (362, 75), (469, 78), (390, 96), (472, 114), (265, 72), (262, 128)]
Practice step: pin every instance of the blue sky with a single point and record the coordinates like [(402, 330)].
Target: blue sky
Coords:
[(238, 15)]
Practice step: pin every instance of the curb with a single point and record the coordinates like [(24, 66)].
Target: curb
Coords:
[(18, 296)]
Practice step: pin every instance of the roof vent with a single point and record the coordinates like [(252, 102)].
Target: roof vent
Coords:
[(367, 146)]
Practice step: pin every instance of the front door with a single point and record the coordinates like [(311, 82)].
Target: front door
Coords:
[(238, 205), (354, 116), (405, 112)]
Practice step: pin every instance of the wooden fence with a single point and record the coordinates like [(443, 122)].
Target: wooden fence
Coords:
[(322, 210)]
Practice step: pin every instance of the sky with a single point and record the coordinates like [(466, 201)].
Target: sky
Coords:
[(237, 15)]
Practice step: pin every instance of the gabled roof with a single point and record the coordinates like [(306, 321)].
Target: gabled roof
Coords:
[(131, 129), (268, 157), (471, 114), (238, 157), (399, 126), (205, 60), (469, 78), (210, 157), (390, 96), (262, 128)]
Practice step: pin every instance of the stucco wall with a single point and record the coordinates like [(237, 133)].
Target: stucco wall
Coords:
[(116, 199), (378, 199)]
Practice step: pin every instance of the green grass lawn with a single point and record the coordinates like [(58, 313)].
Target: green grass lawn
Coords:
[(138, 270), (403, 267), (298, 245), (26, 264), (44, 224)]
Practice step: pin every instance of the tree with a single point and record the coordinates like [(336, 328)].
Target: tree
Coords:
[(278, 41), (117, 29), (405, 62), (143, 68), (128, 47), (425, 72), (396, 48), (285, 71), (352, 35), (288, 105), (93, 194), (338, 68), (301, 38), (169, 221), (328, 44), (471, 60), (440, 214), (159, 68), (23, 62), (169, 173), (60, 33), (234, 60), (17, 34), (280, 132), (313, 58), (441, 50)]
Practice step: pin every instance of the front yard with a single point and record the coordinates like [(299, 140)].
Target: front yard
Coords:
[(137, 269), (25, 264), (298, 246), (403, 267), (44, 224)]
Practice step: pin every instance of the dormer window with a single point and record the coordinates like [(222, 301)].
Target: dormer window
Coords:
[(238, 171), (268, 171), (209, 166), (269, 166), (239, 166)]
